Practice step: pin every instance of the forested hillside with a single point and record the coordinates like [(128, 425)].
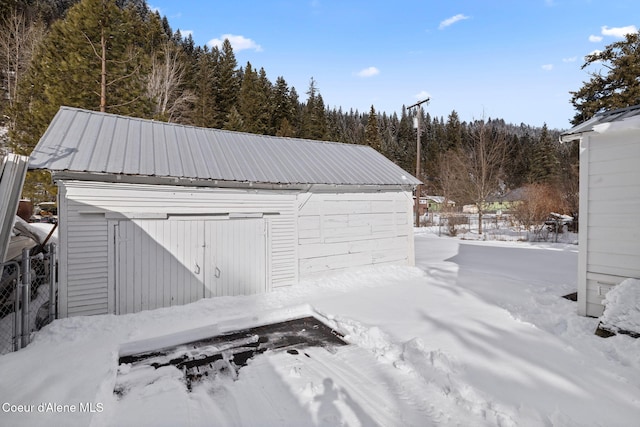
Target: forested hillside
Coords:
[(122, 58)]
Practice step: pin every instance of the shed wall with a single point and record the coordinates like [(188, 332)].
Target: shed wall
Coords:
[(84, 232), (610, 204), (344, 230)]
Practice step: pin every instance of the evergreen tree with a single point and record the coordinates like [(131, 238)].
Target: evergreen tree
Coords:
[(544, 162), (405, 152), (95, 58), (453, 132), (286, 129), (618, 88), (265, 101), (514, 163), (204, 109), (314, 120), (235, 121), (372, 131), (253, 101), (432, 135), (227, 82), (297, 107), (283, 112)]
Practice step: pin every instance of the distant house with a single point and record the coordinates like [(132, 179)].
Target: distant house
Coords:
[(505, 202), (434, 204), (498, 203), (153, 214), (609, 204)]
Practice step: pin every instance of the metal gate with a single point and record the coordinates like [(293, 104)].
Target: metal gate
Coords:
[(27, 297)]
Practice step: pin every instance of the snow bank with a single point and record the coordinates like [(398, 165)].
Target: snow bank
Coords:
[(477, 334), (622, 307)]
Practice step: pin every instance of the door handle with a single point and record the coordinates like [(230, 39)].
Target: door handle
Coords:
[(197, 269), (217, 273)]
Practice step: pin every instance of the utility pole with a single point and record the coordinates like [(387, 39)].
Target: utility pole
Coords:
[(418, 115)]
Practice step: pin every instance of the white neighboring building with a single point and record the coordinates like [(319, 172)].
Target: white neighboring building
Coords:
[(609, 236), (153, 214)]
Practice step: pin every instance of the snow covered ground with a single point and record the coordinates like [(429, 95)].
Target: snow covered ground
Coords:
[(477, 334)]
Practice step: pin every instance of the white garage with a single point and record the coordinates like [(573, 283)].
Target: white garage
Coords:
[(153, 214)]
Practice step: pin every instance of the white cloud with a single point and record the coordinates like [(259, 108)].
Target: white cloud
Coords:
[(595, 52), (547, 67), (422, 95), (452, 20), (572, 59), (238, 43), (619, 32), (595, 39), (368, 72), (186, 33)]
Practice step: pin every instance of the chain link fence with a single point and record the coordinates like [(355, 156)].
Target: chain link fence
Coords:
[(27, 297)]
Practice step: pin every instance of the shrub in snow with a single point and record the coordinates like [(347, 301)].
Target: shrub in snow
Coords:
[(622, 307)]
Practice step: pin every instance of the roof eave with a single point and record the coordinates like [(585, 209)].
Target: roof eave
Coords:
[(66, 175)]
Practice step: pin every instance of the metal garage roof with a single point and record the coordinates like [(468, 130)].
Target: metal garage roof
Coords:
[(92, 142), (601, 122), (13, 169)]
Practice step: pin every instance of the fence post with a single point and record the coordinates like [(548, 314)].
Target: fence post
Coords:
[(52, 282), (26, 286), (17, 327)]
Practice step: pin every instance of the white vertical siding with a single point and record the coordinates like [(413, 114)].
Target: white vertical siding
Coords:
[(235, 261), (338, 231), (83, 260), (610, 203), (159, 263), (303, 234), (84, 231)]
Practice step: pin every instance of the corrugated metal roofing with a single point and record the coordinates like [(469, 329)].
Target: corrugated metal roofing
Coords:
[(601, 119), (88, 141), (12, 173)]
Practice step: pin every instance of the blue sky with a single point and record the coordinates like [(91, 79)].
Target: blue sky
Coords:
[(510, 59)]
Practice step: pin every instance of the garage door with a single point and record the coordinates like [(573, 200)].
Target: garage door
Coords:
[(164, 262), (235, 257)]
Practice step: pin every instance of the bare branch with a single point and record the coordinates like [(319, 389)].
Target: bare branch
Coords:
[(92, 45)]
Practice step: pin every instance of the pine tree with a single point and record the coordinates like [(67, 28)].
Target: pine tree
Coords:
[(265, 102), (405, 153), (619, 88), (453, 131), (253, 101), (227, 83), (203, 85), (372, 131), (235, 121), (283, 111), (297, 109), (314, 120), (95, 58), (544, 162)]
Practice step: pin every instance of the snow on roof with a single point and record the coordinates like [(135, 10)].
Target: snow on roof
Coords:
[(92, 142), (606, 121)]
